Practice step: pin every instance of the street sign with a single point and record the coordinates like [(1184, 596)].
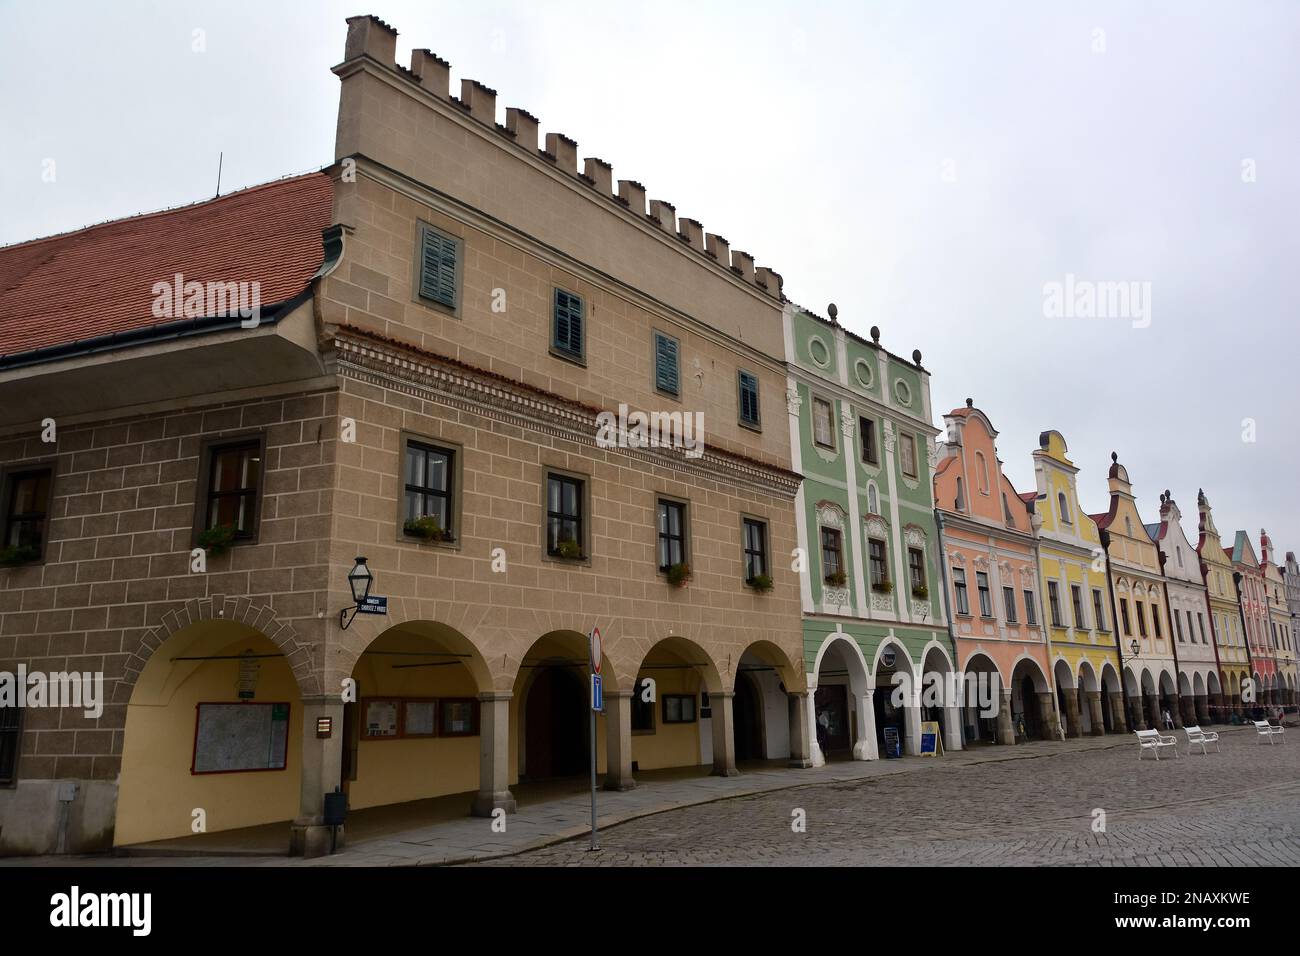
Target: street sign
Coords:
[(373, 605), (593, 642), (597, 693)]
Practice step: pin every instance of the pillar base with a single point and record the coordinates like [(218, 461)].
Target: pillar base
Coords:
[(311, 840), (800, 763), (725, 772), (485, 803), (619, 785)]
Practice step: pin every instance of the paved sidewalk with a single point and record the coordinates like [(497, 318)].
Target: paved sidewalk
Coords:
[(471, 839)]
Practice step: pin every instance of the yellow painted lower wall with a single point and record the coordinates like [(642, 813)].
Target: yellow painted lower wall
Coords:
[(158, 794)]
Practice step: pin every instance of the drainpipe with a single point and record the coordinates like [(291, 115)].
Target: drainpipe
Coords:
[(1114, 617), (947, 607), (1169, 622), (1245, 631)]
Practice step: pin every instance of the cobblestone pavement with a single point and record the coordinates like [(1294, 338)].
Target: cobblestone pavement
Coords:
[(1235, 808)]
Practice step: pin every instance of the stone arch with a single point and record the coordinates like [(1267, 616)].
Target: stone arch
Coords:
[(1062, 674), (861, 676), (1184, 684), (239, 610), (1088, 677), (1110, 682)]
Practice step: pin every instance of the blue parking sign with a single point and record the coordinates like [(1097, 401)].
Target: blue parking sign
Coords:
[(597, 693)]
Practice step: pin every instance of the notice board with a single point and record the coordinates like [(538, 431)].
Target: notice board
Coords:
[(229, 738)]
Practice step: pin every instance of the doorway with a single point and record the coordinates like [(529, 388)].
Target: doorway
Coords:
[(747, 709), (556, 727)]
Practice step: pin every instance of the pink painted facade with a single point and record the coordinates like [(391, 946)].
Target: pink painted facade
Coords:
[(1254, 611), (992, 578)]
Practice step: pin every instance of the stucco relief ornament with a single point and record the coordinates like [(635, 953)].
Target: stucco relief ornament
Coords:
[(932, 454), (920, 610), (847, 424), (876, 527), (882, 602), (982, 563), (890, 436), (793, 402), (914, 536), (830, 516), (836, 597), (956, 557), (1007, 570)]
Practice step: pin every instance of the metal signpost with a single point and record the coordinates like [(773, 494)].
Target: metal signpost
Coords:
[(597, 703)]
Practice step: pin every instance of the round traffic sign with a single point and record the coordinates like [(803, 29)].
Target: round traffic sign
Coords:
[(594, 643)]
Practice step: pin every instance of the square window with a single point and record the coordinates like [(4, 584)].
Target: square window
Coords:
[(679, 709), (231, 486), (27, 506)]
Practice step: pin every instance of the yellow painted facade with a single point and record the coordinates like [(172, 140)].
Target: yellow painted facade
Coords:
[(1071, 563), (1225, 612)]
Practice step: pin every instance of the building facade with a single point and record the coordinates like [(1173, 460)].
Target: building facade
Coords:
[(1280, 631), (874, 623), (1186, 609), (1072, 565), (997, 610), (1137, 587), (1224, 609), (1291, 576), (466, 327), (1253, 598)]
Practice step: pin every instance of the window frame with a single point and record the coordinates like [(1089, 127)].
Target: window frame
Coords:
[(838, 551), (916, 570), (655, 336), (1077, 608), (908, 440), (1031, 608), (1009, 604), (829, 403), (455, 473), (867, 438), (1055, 612), (1099, 610), (877, 556), (984, 593), (960, 593), (8, 476), (695, 709), (763, 552), (208, 450), (755, 423), (584, 507), (684, 537), (563, 351), (458, 246)]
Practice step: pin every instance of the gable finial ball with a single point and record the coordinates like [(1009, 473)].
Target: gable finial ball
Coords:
[(875, 334), (1114, 456), (833, 311), (916, 356), (970, 403)]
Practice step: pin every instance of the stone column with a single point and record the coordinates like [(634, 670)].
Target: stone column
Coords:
[(814, 748), (322, 772), (1117, 716), (1189, 710), (618, 740), (724, 743), (1073, 721), (1047, 716), (1095, 714), (912, 727), (800, 730), (866, 748), (1153, 712), (1137, 719), (1006, 732), (1176, 711), (952, 720), (493, 754), (1201, 706)]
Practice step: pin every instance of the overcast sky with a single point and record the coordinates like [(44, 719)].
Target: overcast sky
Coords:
[(928, 167)]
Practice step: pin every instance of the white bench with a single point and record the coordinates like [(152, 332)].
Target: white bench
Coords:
[(1265, 729), (1196, 737), (1153, 740)]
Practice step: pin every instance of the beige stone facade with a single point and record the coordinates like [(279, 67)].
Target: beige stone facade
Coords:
[(334, 392)]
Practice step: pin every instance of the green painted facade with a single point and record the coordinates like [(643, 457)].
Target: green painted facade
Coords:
[(863, 499)]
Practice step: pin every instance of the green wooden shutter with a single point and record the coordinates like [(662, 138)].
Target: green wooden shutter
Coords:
[(438, 268), (666, 375), (568, 323), (748, 398)]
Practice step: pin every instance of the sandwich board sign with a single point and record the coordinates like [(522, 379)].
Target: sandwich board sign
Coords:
[(931, 745)]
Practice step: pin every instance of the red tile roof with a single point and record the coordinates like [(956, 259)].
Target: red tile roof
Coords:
[(1028, 495), (99, 280)]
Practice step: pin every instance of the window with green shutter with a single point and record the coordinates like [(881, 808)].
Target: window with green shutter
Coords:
[(748, 399), (437, 267), (667, 376), (567, 329)]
